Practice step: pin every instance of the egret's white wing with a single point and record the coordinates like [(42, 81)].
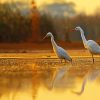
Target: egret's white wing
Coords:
[(63, 54), (93, 46)]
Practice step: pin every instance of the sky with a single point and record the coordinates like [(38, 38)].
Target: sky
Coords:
[(86, 6)]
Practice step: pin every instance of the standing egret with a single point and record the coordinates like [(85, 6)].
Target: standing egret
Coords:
[(59, 51), (91, 45)]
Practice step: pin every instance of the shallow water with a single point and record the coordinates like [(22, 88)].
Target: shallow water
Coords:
[(39, 77)]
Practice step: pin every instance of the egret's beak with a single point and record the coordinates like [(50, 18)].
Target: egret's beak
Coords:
[(44, 37), (71, 30)]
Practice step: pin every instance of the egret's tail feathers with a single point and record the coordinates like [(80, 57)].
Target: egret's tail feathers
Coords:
[(69, 59)]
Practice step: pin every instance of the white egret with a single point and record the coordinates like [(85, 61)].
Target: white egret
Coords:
[(59, 51), (91, 45)]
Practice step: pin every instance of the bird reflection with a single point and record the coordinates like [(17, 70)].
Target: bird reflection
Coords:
[(90, 77), (58, 75), (61, 79)]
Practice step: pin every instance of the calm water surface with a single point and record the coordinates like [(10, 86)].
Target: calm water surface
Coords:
[(45, 78)]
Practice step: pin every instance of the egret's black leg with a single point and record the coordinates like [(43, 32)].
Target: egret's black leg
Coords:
[(71, 60), (65, 60), (93, 58)]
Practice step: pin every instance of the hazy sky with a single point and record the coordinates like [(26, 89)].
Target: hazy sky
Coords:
[(87, 6)]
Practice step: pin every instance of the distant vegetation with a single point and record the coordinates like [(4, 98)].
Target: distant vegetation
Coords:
[(14, 27)]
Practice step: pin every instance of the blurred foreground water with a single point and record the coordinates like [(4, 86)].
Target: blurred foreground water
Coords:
[(41, 76)]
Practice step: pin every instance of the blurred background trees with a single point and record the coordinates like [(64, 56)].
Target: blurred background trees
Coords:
[(20, 23), (13, 26)]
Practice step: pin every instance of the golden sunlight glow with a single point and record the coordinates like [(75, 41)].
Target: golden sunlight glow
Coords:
[(91, 93), (87, 6)]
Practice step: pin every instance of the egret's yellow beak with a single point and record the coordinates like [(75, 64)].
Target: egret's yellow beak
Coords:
[(44, 37)]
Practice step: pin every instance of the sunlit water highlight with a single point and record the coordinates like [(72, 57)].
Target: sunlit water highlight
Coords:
[(42, 76)]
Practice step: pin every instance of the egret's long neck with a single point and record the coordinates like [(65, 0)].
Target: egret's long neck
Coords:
[(83, 37), (53, 43)]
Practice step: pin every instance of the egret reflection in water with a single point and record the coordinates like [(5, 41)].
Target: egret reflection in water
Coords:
[(58, 75), (61, 79), (90, 77)]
